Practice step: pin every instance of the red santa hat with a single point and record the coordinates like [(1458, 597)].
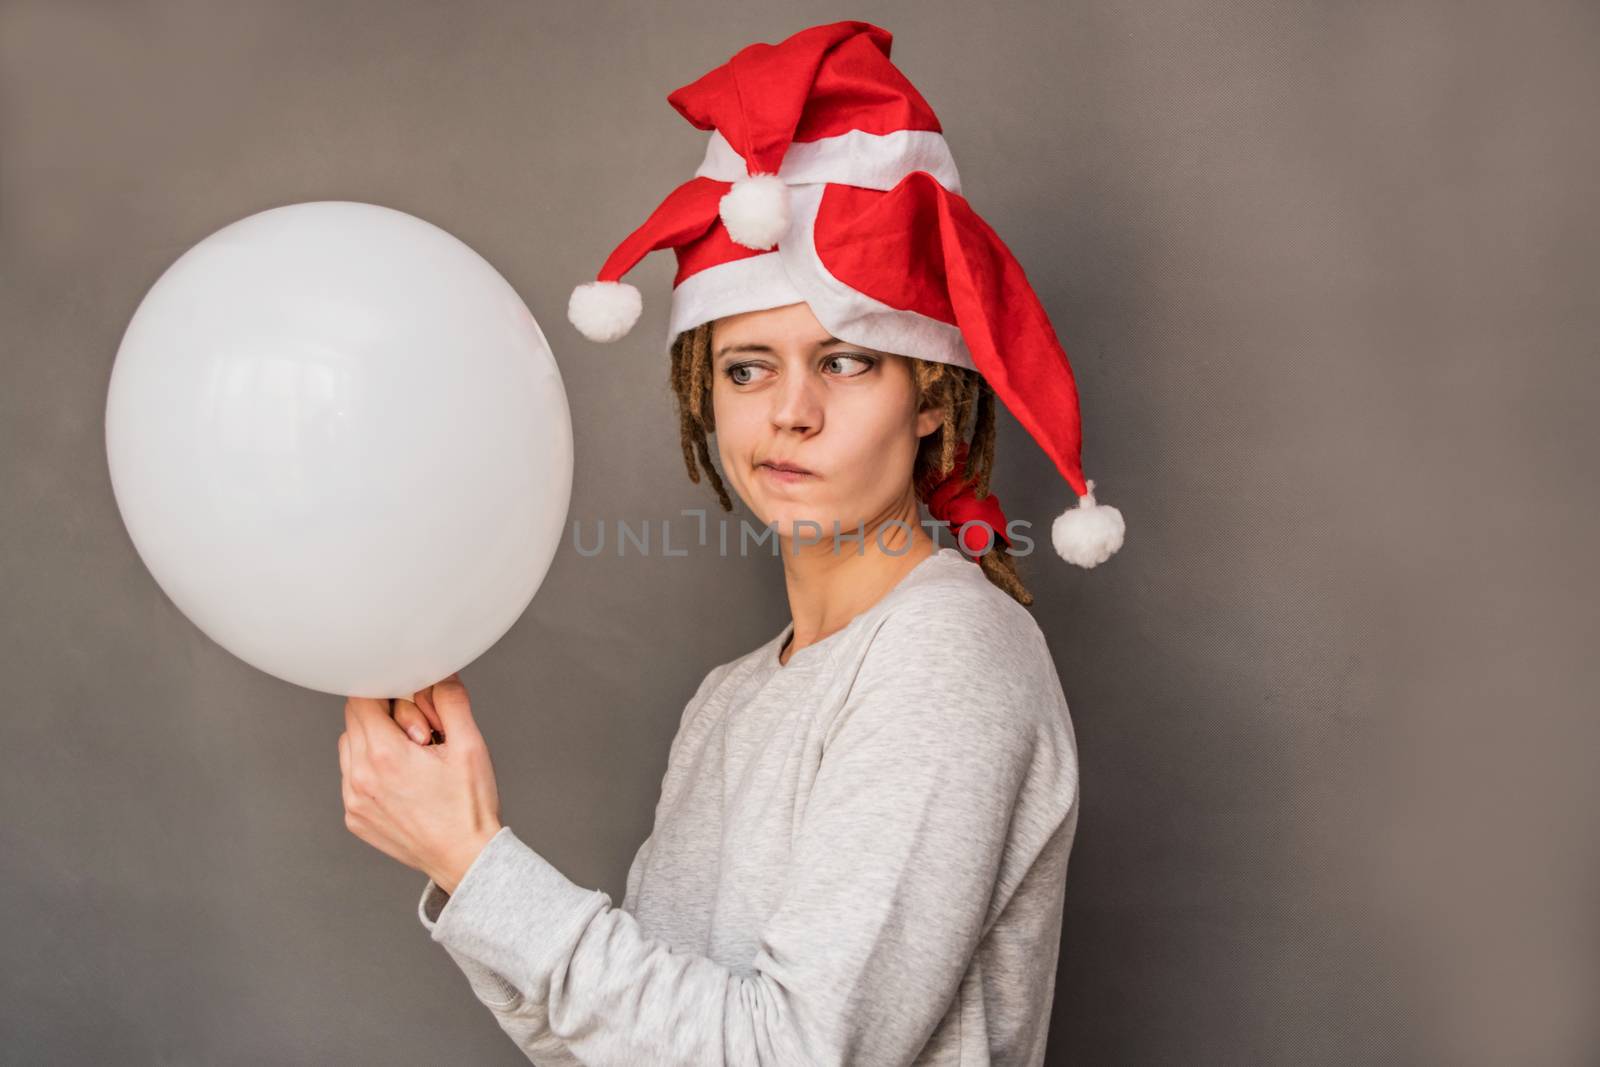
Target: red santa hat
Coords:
[(827, 180)]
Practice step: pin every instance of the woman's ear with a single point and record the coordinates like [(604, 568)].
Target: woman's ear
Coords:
[(929, 419)]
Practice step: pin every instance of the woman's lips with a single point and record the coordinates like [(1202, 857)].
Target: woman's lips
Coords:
[(784, 474)]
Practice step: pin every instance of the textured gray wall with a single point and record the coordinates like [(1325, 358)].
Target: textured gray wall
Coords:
[(1328, 276)]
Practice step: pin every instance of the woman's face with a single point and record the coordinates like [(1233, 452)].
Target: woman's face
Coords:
[(784, 392)]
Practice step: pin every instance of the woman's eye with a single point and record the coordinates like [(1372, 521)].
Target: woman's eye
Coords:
[(735, 373), (864, 363)]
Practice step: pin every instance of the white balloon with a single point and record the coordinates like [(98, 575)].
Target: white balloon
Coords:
[(341, 445)]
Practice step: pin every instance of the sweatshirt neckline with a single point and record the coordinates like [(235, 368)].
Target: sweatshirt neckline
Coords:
[(821, 650)]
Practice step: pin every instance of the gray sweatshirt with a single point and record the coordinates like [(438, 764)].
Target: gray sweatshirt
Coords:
[(858, 857)]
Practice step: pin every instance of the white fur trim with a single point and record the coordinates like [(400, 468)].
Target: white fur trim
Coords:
[(604, 311), (749, 284), (756, 210), (1089, 534), (870, 160), (792, 274)]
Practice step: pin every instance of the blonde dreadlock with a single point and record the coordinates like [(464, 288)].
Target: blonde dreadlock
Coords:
[(957, 391)]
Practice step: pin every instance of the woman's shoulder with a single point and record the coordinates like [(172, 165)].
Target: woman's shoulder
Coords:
[(956, 609), (722, 672), (956, 623), (953, 660)]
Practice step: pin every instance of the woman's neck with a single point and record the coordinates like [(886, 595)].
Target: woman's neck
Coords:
[(830, 583)]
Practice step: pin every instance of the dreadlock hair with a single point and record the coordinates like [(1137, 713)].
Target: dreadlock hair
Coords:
[(958, 392)]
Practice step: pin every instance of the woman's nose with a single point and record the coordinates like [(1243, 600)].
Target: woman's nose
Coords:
[(797, 404)]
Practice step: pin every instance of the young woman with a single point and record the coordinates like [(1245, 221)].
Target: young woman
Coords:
[(860, 849)]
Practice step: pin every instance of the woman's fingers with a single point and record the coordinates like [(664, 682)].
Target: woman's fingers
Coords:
[(355, 731), (411, 719), (423, 698), (347, 791)]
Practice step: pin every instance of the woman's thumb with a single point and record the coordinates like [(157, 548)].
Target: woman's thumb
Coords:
[(454, 707)]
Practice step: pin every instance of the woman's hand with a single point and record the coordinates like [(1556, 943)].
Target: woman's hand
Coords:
[(432, 807)]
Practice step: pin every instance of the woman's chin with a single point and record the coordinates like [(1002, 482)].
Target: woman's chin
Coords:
[(811, 529)]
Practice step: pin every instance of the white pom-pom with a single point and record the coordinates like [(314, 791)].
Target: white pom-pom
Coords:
[(1089, 534), (604, 311), (756, 210)]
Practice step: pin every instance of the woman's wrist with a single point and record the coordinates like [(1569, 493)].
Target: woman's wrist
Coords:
[(455, 868)]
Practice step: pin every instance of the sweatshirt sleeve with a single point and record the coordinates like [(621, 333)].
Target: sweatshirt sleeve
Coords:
[(524, 1023), (892, 883)]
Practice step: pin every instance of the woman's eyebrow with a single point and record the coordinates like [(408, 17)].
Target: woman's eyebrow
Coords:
[(753, 347), (726, 349)]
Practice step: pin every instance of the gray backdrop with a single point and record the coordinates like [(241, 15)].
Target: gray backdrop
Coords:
[(1327, 275)]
